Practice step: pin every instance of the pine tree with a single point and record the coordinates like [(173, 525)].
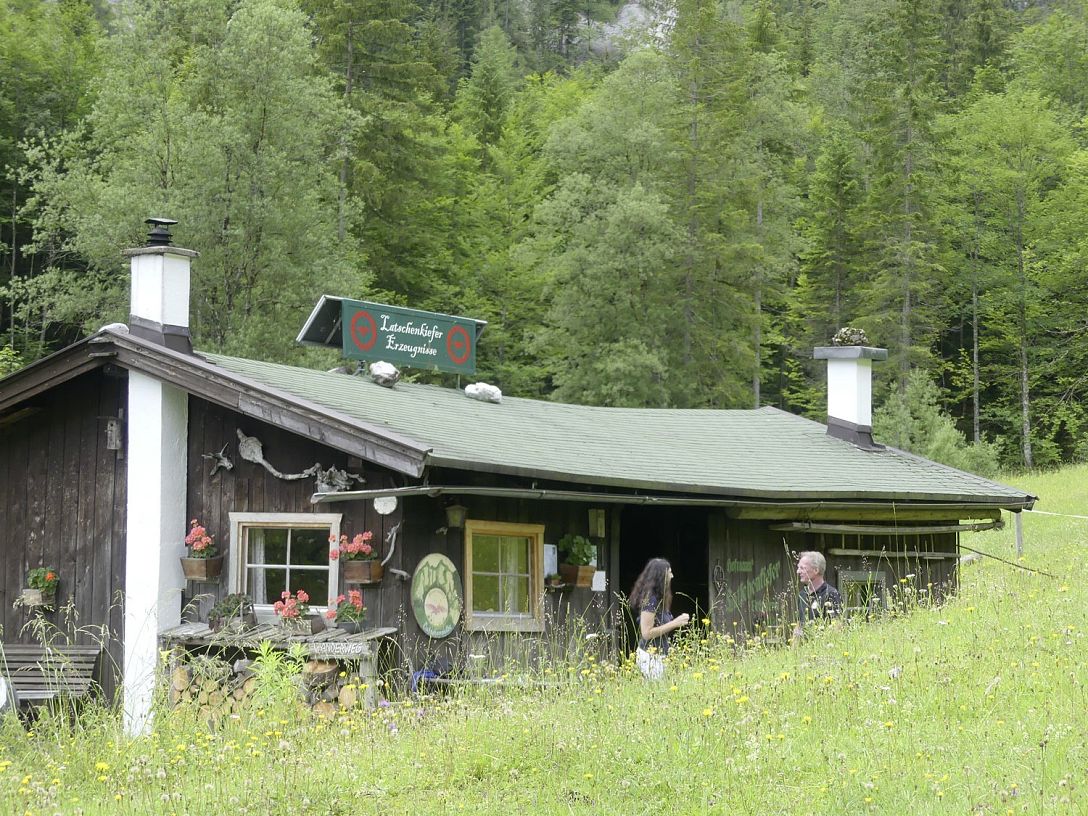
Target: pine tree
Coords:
[(485, 97), (901, 97), (715, 198)]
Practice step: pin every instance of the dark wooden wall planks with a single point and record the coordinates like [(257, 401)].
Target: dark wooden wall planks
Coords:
[(62, 505)]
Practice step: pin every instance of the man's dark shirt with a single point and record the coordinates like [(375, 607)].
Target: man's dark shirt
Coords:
[(823, 604)]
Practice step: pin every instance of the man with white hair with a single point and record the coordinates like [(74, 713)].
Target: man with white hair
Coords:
[(818, 600)]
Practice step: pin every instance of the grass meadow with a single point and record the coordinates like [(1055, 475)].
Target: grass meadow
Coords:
[(974, 707)]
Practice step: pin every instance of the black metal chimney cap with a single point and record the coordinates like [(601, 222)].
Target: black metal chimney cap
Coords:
[(160, 231)]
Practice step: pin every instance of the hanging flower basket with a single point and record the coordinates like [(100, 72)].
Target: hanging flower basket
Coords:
[(357, 571), (202, 569)]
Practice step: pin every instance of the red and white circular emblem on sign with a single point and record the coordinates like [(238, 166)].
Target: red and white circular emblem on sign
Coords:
[(364, 331), (458, 345)]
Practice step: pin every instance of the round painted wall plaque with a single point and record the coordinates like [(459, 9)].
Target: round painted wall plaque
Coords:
[(436, 595), (384, 505)]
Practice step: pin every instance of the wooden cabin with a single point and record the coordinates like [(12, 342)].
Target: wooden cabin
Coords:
[(110, 447)]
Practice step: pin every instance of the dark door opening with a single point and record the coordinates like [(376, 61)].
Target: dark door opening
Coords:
[(678, 534)]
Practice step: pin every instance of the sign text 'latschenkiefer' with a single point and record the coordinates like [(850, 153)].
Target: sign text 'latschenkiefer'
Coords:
[(373, 331)]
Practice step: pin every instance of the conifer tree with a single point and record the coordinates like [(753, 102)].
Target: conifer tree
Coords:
[(484, 98), (901, 97)]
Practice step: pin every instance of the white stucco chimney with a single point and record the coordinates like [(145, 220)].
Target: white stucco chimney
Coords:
[(157, 448), (159, 294), (850, 391)]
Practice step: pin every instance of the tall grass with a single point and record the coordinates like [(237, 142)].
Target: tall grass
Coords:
[(974, 707)]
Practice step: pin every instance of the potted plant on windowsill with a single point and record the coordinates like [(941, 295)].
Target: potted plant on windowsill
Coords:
[(578, 555), (203, 562), (41, 587), (349, 613), (358, 558), (232, 613), (293, 612)]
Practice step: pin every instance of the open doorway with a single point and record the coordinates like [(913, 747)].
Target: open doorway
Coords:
[(678, 534)]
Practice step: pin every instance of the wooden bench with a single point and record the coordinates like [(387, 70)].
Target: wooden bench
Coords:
[(40, 674)]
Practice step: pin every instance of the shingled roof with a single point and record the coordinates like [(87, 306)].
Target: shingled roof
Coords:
[(764, 452)]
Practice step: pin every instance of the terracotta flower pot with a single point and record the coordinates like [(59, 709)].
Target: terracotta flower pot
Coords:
[(362, 572), (202, 569), (578, 575)]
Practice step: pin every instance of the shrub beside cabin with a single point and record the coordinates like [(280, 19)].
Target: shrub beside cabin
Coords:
[(110, 447)]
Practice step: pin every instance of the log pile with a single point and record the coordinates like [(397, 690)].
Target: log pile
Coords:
[(219, 689)]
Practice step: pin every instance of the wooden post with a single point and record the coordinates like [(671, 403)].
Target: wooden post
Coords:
[(1019, 533)]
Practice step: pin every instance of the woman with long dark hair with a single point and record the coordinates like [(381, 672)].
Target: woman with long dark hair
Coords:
[(651, 596)]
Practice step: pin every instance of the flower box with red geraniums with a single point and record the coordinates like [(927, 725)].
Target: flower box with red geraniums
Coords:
[(349, 613), (203, 562), (293, 611), (358, 558)]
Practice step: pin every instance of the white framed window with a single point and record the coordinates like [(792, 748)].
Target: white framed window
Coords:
[(273, 552), (504, 576)]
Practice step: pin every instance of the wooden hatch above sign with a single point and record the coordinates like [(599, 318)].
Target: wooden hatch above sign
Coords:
[(436, 595), (394, 334)]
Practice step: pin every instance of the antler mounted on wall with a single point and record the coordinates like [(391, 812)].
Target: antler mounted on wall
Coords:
[(328, 481)]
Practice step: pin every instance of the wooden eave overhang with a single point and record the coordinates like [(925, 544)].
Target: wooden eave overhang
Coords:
[(207, 381), (57, 368), (768, 497)]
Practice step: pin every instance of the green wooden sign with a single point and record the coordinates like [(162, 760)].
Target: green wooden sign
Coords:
[(409, 337)]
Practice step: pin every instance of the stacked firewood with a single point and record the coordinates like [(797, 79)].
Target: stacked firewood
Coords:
[(328, 688), (218, 688)]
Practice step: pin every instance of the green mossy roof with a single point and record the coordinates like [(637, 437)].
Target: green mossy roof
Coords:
[(763, 452)]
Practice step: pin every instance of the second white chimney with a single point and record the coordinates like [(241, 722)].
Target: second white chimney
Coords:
[(850, 390)]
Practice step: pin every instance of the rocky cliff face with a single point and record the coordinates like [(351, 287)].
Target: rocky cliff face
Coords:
[(636, 23)]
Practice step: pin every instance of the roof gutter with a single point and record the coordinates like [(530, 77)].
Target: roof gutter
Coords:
[(434, 491)]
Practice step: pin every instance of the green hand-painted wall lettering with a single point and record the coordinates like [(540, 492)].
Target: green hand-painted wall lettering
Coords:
[(754, 587)]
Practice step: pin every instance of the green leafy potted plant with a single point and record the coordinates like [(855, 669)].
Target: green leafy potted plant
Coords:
[(349, 613), (203, 562), (358, 558), (578, 553), (41, 583), (234, 611)]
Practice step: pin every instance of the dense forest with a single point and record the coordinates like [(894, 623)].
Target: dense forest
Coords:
[(665, 214)]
